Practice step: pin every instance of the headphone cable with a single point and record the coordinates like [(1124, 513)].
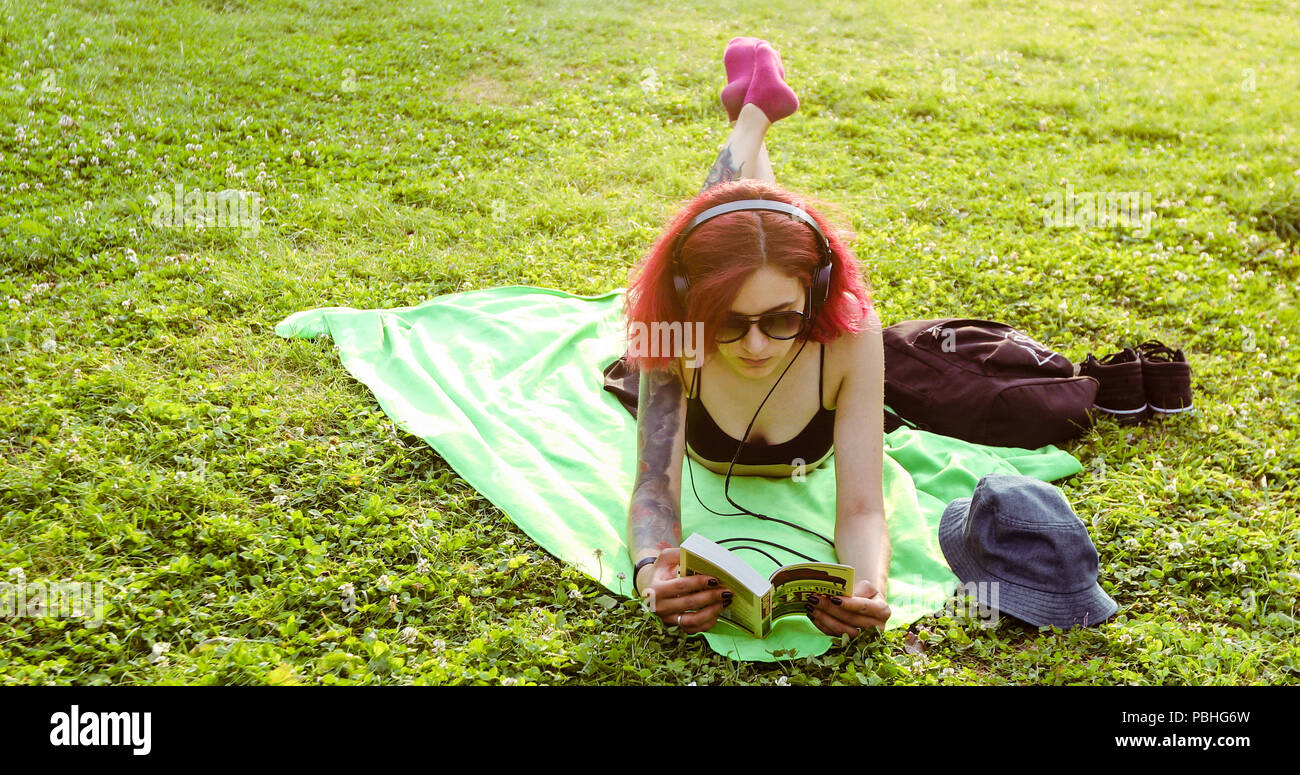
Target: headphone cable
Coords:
[(726, 489)]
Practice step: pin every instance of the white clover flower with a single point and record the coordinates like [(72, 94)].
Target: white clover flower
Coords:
[(783, 681), (438, 645), (19, 574), (508, 681), (1125, 638), (575, 594), (156, 654), (409, 634), (14, 303), (1237, 566), (1175, 548), (349, 593)]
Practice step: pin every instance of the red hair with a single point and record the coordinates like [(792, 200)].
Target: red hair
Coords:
[(720, 256)]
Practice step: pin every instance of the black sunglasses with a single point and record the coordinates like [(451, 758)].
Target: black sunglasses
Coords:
[(774, 325)]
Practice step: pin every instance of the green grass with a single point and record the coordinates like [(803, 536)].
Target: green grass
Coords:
[(225, 484)]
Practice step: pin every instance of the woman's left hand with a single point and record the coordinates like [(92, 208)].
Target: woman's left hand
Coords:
[(850, 616)]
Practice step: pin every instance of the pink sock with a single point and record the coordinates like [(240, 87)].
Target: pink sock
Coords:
[(767, 86), (739, 61)]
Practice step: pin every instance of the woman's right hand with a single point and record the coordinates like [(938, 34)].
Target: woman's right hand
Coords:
[(692, 603)]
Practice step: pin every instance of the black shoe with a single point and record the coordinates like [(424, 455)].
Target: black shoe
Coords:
[(1122, 394), (1166, 377)]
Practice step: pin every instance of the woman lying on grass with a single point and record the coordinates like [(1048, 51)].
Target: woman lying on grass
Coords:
[(751, 277)]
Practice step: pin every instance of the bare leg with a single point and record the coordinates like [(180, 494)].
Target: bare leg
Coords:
[(743, 155), (764, 169)]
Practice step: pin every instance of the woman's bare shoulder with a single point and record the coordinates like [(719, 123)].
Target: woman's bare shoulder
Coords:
[(852, 349)]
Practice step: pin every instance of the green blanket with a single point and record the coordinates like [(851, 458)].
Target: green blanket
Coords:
[(507, 385)]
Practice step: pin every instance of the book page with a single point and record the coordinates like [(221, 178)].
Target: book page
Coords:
[(750, 608), (792, 584)]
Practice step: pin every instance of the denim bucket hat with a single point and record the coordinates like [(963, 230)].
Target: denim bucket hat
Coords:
[(1020, 535)]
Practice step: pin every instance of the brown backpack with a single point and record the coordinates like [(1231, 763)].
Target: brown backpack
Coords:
[(985, 383)]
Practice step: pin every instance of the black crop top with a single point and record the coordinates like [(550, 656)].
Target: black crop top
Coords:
[(709, 441)]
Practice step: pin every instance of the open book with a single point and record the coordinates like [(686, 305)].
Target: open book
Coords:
[(758, 602)]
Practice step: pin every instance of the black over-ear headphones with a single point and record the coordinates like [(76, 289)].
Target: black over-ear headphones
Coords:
[(818, 290)]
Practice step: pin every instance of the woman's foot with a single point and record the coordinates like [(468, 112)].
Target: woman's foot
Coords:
[(767, 87), (739, 61)]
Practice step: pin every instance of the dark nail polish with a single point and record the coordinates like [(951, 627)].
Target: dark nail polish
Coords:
[(713, 582), (726, 595), (836, 601), (812, 599), (726, 602)]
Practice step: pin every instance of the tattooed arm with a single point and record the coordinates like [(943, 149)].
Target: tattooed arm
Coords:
[(654, 517), (654, 523)]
